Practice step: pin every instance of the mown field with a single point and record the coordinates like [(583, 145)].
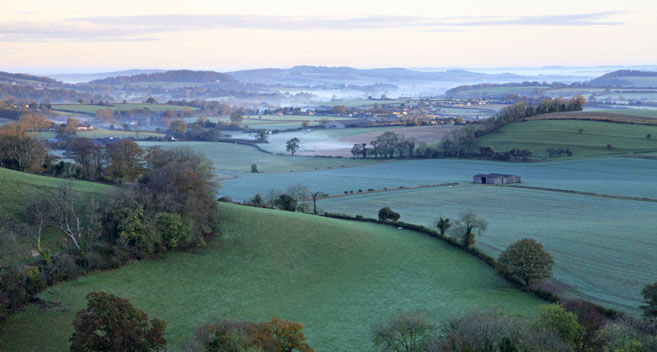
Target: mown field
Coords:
[(335, 277), (14, 188), (91, 108), (605, 249), (634, 112), (538, 136), (235, 159), (617, 176)]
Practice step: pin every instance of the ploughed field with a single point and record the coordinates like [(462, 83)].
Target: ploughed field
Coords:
[(605, 246), (335, 277)]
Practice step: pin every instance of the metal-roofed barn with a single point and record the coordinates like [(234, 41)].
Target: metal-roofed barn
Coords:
[(495, 179)]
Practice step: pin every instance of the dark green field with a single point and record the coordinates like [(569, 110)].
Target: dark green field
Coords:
[(335, 277), (538, 136)]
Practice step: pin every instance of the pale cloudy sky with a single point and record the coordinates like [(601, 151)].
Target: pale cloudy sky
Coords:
[(77, 34)]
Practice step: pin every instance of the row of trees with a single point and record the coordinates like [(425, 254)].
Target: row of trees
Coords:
[(387, 145), (575, 326)]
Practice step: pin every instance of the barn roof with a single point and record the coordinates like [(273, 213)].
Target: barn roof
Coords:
[(492, 175)]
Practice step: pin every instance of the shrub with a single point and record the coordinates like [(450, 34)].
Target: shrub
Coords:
[(286, 202), (386, 214), (564, 323)]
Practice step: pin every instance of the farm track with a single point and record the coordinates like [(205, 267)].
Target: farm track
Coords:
[(591, 194)]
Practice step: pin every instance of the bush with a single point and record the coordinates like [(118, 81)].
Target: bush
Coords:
[(386, 214)]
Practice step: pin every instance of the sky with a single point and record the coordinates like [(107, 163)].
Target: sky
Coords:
[(88, 35)]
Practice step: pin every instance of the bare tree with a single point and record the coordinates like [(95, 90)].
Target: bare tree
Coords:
[(75, 220), (37, 214), (469, 225)]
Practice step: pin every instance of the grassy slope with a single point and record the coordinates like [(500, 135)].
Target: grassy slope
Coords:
[(538, 136), (605, 249), (335, 277), (235, 159), (14, 187)]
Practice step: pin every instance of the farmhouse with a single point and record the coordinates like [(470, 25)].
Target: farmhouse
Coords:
[(495, 179)]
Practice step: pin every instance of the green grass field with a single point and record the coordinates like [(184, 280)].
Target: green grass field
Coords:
[(235, 159), (335, 277), (14, 188), (91, 109), (634, 112), (604, 249), (538, 136)]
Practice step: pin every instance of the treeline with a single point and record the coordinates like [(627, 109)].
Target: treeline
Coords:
[(174, 76), (170, 206), (464, 141), (575, 326), (46, 95), (520, 111)]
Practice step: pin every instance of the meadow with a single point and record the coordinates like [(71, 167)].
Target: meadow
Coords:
[(231, 159), (15, 187), (604, 249), (538, 136), (335, 277), (631, 177)]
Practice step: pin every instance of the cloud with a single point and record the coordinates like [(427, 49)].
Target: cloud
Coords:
[(140, 27)]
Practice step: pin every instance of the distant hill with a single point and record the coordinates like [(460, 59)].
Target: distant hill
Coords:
[(626, 79), (314, 75), (22, 78), (87, 77), (178, 76)]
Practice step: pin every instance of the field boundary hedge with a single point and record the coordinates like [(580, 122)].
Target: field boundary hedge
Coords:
[(400, 188), (591, 194)]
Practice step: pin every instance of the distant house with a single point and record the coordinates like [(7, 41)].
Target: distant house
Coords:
[(85, 128), (495, 179)]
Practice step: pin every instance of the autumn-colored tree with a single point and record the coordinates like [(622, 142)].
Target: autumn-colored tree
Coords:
[(33, 123), (526, 261), (236, 118), (288, 334), (178, 128), (105, 115), (124, 161), (111, 323)]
